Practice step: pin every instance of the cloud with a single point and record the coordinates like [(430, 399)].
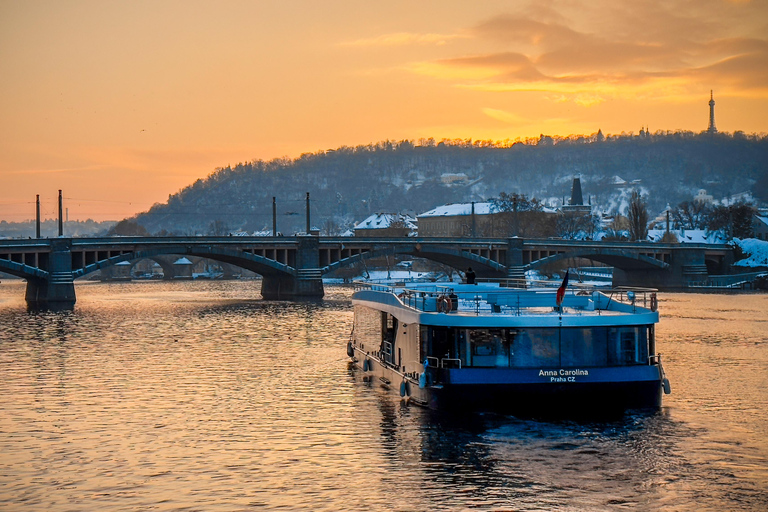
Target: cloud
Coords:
[(650, 49), (521, 30)]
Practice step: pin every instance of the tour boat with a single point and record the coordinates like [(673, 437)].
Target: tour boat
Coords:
[(487, 346)]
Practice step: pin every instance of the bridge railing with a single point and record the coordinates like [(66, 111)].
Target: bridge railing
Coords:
[(728, 281)]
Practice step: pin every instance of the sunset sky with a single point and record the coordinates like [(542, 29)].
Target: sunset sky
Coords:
[(122, 103)]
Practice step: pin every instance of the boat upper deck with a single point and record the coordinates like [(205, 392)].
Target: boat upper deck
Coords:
[(492, 303)]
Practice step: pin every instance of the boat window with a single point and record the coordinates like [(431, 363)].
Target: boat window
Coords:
[(628, 345), (388, 327), (575, 347), (488, 347), (583, 347), (536, 347)]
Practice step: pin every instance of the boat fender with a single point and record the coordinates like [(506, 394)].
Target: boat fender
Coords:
[(365, 365), (444, 304), (405, 389), (350, 349), (654, 302), (423, 380), (666, 386)]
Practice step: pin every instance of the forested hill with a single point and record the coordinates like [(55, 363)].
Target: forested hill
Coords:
[(349, 183)]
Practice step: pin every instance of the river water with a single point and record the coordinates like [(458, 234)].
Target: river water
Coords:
[(200, 396)]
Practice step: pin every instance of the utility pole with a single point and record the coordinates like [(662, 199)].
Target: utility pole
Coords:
[(61, 219), (274, 217), (37, 216), (474, 225)]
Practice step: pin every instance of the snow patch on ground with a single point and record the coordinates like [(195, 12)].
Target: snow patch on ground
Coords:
[(757, 250)]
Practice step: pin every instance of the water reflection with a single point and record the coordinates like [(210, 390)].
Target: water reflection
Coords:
[(199, 396)]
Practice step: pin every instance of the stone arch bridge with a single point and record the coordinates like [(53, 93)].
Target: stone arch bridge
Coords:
[(293, 267)]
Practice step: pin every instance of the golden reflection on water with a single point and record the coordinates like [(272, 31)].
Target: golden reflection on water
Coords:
[(178, 396)]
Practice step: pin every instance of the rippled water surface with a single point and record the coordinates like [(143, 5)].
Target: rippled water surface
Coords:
[(201, 396)]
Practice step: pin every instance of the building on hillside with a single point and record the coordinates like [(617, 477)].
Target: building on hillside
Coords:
[(703, 197), (454, 178), (576, 205), (390, 225), (481, 219), (760, 224)]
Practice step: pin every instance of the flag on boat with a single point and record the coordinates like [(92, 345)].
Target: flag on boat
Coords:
[(561, 290)]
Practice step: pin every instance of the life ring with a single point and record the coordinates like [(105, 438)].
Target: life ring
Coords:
[(654, 302), (444, 304), (350, 349), (401, 295)]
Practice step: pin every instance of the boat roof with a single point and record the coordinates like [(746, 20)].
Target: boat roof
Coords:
[(497, 305)]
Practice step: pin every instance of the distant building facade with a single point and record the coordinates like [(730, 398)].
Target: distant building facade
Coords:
[(482, 219)]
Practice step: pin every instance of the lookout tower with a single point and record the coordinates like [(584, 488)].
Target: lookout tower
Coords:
[(711, 128)]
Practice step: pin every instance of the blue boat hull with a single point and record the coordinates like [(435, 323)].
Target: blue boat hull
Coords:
[(553, 392)]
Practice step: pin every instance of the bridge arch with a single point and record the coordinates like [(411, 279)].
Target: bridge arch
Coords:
[(618, 258), (22, 270), (259, 264), (456, 258)]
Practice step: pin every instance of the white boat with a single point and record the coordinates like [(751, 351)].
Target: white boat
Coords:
[(489, 347)]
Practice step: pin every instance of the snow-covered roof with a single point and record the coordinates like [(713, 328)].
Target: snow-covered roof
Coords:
[(385, 220), (757, 250), (689, 236), (459, 209), (484, 208), (182, 261)]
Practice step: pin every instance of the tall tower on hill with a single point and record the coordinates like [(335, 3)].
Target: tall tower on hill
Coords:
[(711, 128)]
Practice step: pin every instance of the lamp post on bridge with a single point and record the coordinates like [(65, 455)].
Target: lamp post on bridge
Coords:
[(274, 217), (37, 216), (61, 220)]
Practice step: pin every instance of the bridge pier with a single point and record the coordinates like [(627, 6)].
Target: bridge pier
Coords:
[(308, 282), (57, 293)]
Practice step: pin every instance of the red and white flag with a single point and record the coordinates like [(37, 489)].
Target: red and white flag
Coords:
[(561, 291)]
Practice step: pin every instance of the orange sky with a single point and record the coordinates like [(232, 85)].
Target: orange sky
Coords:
[(123, 103)]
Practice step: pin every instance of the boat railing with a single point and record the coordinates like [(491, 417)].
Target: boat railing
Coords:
[(455, 297)]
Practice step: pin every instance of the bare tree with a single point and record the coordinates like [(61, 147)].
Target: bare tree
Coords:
[(691, 214), (637, 213)]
